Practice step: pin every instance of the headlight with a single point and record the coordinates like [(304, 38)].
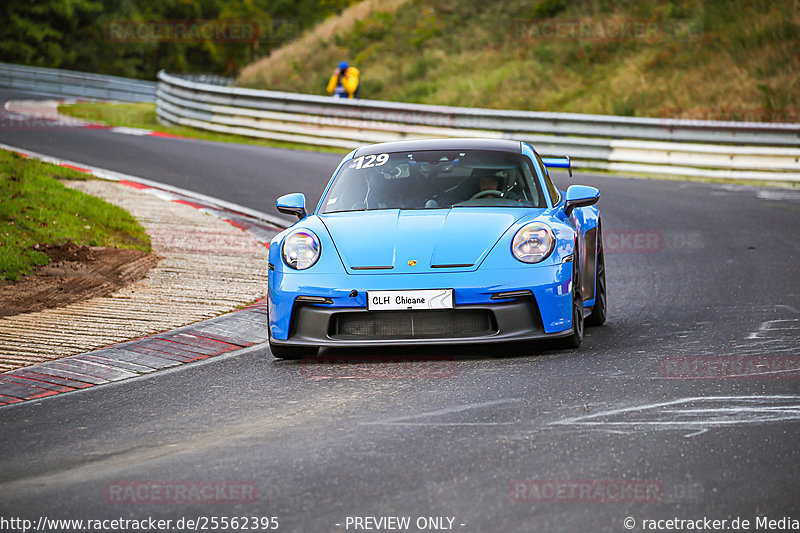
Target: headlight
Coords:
[(533, 242), (301, 249)]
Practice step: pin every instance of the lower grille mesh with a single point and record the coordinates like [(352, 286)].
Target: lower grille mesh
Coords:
[(413, 324)]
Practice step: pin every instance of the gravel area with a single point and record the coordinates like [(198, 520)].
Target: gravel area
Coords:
[(206, 267)]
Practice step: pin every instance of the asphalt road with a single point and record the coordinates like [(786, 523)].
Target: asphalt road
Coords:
[(696, 273)]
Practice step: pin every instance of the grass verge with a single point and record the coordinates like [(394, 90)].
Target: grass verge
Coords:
[(37, 210), (712, 60), (144, 116)]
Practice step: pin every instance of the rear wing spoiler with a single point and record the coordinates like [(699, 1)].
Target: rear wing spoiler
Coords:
[(558, 162)]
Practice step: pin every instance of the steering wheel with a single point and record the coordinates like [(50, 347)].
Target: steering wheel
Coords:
[(488, 192)]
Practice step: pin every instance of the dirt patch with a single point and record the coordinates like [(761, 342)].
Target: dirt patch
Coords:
[(76, 273)]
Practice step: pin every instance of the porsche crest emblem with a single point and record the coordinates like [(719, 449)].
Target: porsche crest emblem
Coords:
[(412, 263)]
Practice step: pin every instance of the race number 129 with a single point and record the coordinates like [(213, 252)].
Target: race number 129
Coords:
[(367, 161)]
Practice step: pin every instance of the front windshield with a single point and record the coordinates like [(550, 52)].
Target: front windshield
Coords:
[(434, 179)]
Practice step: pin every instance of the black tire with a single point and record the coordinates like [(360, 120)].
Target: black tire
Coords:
[(289, 352), (598, 315), (576, 337), (292, 352)]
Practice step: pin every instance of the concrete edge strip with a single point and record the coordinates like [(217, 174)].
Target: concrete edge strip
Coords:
[(228, 333), (231, 332)]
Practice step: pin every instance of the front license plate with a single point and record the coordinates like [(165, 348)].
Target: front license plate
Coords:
[(418, 299)]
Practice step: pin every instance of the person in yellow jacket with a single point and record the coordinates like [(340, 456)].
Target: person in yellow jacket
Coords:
[(344, 82)]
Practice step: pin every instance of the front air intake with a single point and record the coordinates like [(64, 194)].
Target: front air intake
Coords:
[(419, 324)]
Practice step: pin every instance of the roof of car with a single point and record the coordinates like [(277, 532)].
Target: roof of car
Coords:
[(498, 145)]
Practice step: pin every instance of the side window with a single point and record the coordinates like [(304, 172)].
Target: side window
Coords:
[(551, 189)]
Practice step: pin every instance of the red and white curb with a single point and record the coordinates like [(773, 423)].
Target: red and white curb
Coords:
[(33, 114), (262, 225), (228, 333), (231, 332), (138, 132)]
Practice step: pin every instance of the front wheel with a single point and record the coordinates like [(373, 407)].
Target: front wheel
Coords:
[(292, 352), (576, 336), (288, 352), (598, 316)]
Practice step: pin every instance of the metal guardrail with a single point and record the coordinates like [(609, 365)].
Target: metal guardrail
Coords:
[(743, 150), (68, 83), (212, 79)]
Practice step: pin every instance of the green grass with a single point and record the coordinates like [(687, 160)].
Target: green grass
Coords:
[(144, 116), (716, 59), (38, 210)]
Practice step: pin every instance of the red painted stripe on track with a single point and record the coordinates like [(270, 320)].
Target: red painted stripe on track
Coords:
[(154, 351), (134, 184), (165, 135), (234, 224), (43, 385), (203, 346), (218, 338), (41, 395), (190, 204), (8, 399), (26, 386), (194, 349), (47, 378), (73, 167)]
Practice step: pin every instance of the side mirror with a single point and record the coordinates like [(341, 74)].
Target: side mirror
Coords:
[(580, 196), (292, 204)]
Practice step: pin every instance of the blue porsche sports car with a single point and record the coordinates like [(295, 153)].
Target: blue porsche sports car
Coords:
[(437, 241)]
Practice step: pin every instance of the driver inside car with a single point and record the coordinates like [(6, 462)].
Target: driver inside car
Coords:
[(502, 184), (490, 183)]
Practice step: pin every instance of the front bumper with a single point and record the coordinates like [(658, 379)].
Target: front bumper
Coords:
[(315, 325), (545, 314)]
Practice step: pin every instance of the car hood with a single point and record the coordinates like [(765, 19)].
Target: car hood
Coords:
[(434, 240)]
